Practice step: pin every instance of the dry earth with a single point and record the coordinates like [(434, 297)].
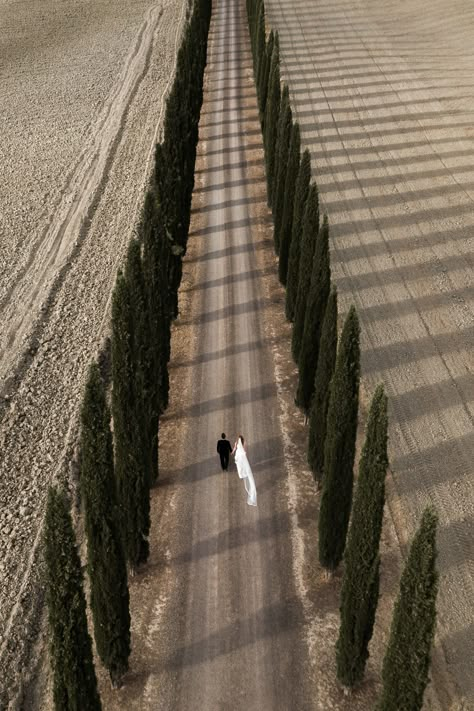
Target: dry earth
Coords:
[(228, 605), (233, 610), (384, 93), (218, 621), (82, 87)]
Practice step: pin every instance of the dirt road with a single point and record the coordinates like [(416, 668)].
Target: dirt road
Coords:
[(218, 624), (385, 96), (82, 93)]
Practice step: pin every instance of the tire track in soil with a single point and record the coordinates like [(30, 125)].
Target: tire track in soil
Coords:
[(62, 239), (21, 604)]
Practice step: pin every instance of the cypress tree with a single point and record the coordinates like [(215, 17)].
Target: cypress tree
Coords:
[(407, 660), (131, 471), (143, 371), (261, 68), (299, 208), (281, 165), (260, 41), (339, 449), (320, 402), (317, 299), (254, 7), (288, 201), (196, 48), (106, 560), (272, 110), (185, 82), (163, 189), (265, 78), (171, 148), (360, 587), (155, 268), (74, 680), (248, 5), (308, 242)]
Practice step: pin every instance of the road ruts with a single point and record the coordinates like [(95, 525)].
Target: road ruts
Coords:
[(229, 635)]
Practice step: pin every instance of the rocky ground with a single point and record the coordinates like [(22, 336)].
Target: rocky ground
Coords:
[(82, 93)]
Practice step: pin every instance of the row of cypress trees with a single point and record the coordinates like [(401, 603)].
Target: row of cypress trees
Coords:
[(328, 394), (117, 470)]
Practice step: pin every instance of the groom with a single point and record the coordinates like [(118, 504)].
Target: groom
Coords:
[(224, 449)]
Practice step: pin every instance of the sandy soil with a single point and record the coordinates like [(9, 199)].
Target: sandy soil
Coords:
[(82, 88), (385, 93)]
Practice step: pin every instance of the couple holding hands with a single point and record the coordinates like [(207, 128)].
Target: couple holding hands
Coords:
[(224, 450)]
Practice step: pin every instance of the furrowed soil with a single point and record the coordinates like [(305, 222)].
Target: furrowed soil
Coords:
[(384, 93), (82, 91), (233, 611)]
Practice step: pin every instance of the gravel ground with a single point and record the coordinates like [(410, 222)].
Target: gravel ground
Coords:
[(385, 94), (82, 93)]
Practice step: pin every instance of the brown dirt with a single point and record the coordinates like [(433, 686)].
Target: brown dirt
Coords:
[(384, 93), (85, 85)]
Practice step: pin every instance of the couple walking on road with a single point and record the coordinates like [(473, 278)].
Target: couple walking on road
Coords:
[(244, 470)]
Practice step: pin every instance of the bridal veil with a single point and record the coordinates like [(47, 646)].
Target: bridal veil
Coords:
[(245, 472)]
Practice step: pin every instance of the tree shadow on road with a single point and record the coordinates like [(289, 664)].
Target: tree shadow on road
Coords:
[(275, 620), (235, 537), (227, 352)]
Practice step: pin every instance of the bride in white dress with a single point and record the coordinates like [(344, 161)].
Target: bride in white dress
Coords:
[(245, 472)]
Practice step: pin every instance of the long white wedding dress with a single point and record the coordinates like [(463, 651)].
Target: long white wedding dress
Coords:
[(245, 473)]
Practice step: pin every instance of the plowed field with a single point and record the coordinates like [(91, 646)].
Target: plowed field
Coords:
[(81, 87), (384, 93)]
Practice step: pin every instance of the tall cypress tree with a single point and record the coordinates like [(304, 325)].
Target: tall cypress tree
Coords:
[(155, 270), (407, 660), (74, 684), (272, 111), (254, 8), (164, 189), (281, 165), (265, 77), (301, 196), (317, 299), (360, 587), (131, 471), (308, 243), (288, 201), (339, 449), (106, 559), (261, 68), (171, 149), (142, 356), (249, 6), (260, 42), (323, 377)]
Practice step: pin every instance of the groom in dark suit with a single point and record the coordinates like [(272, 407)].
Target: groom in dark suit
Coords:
[(224, 449)]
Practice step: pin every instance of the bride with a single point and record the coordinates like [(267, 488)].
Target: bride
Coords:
[(245, 472)]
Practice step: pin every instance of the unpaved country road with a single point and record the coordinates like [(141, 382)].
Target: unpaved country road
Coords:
[(82, 89), (222, 628), (385, 95)]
